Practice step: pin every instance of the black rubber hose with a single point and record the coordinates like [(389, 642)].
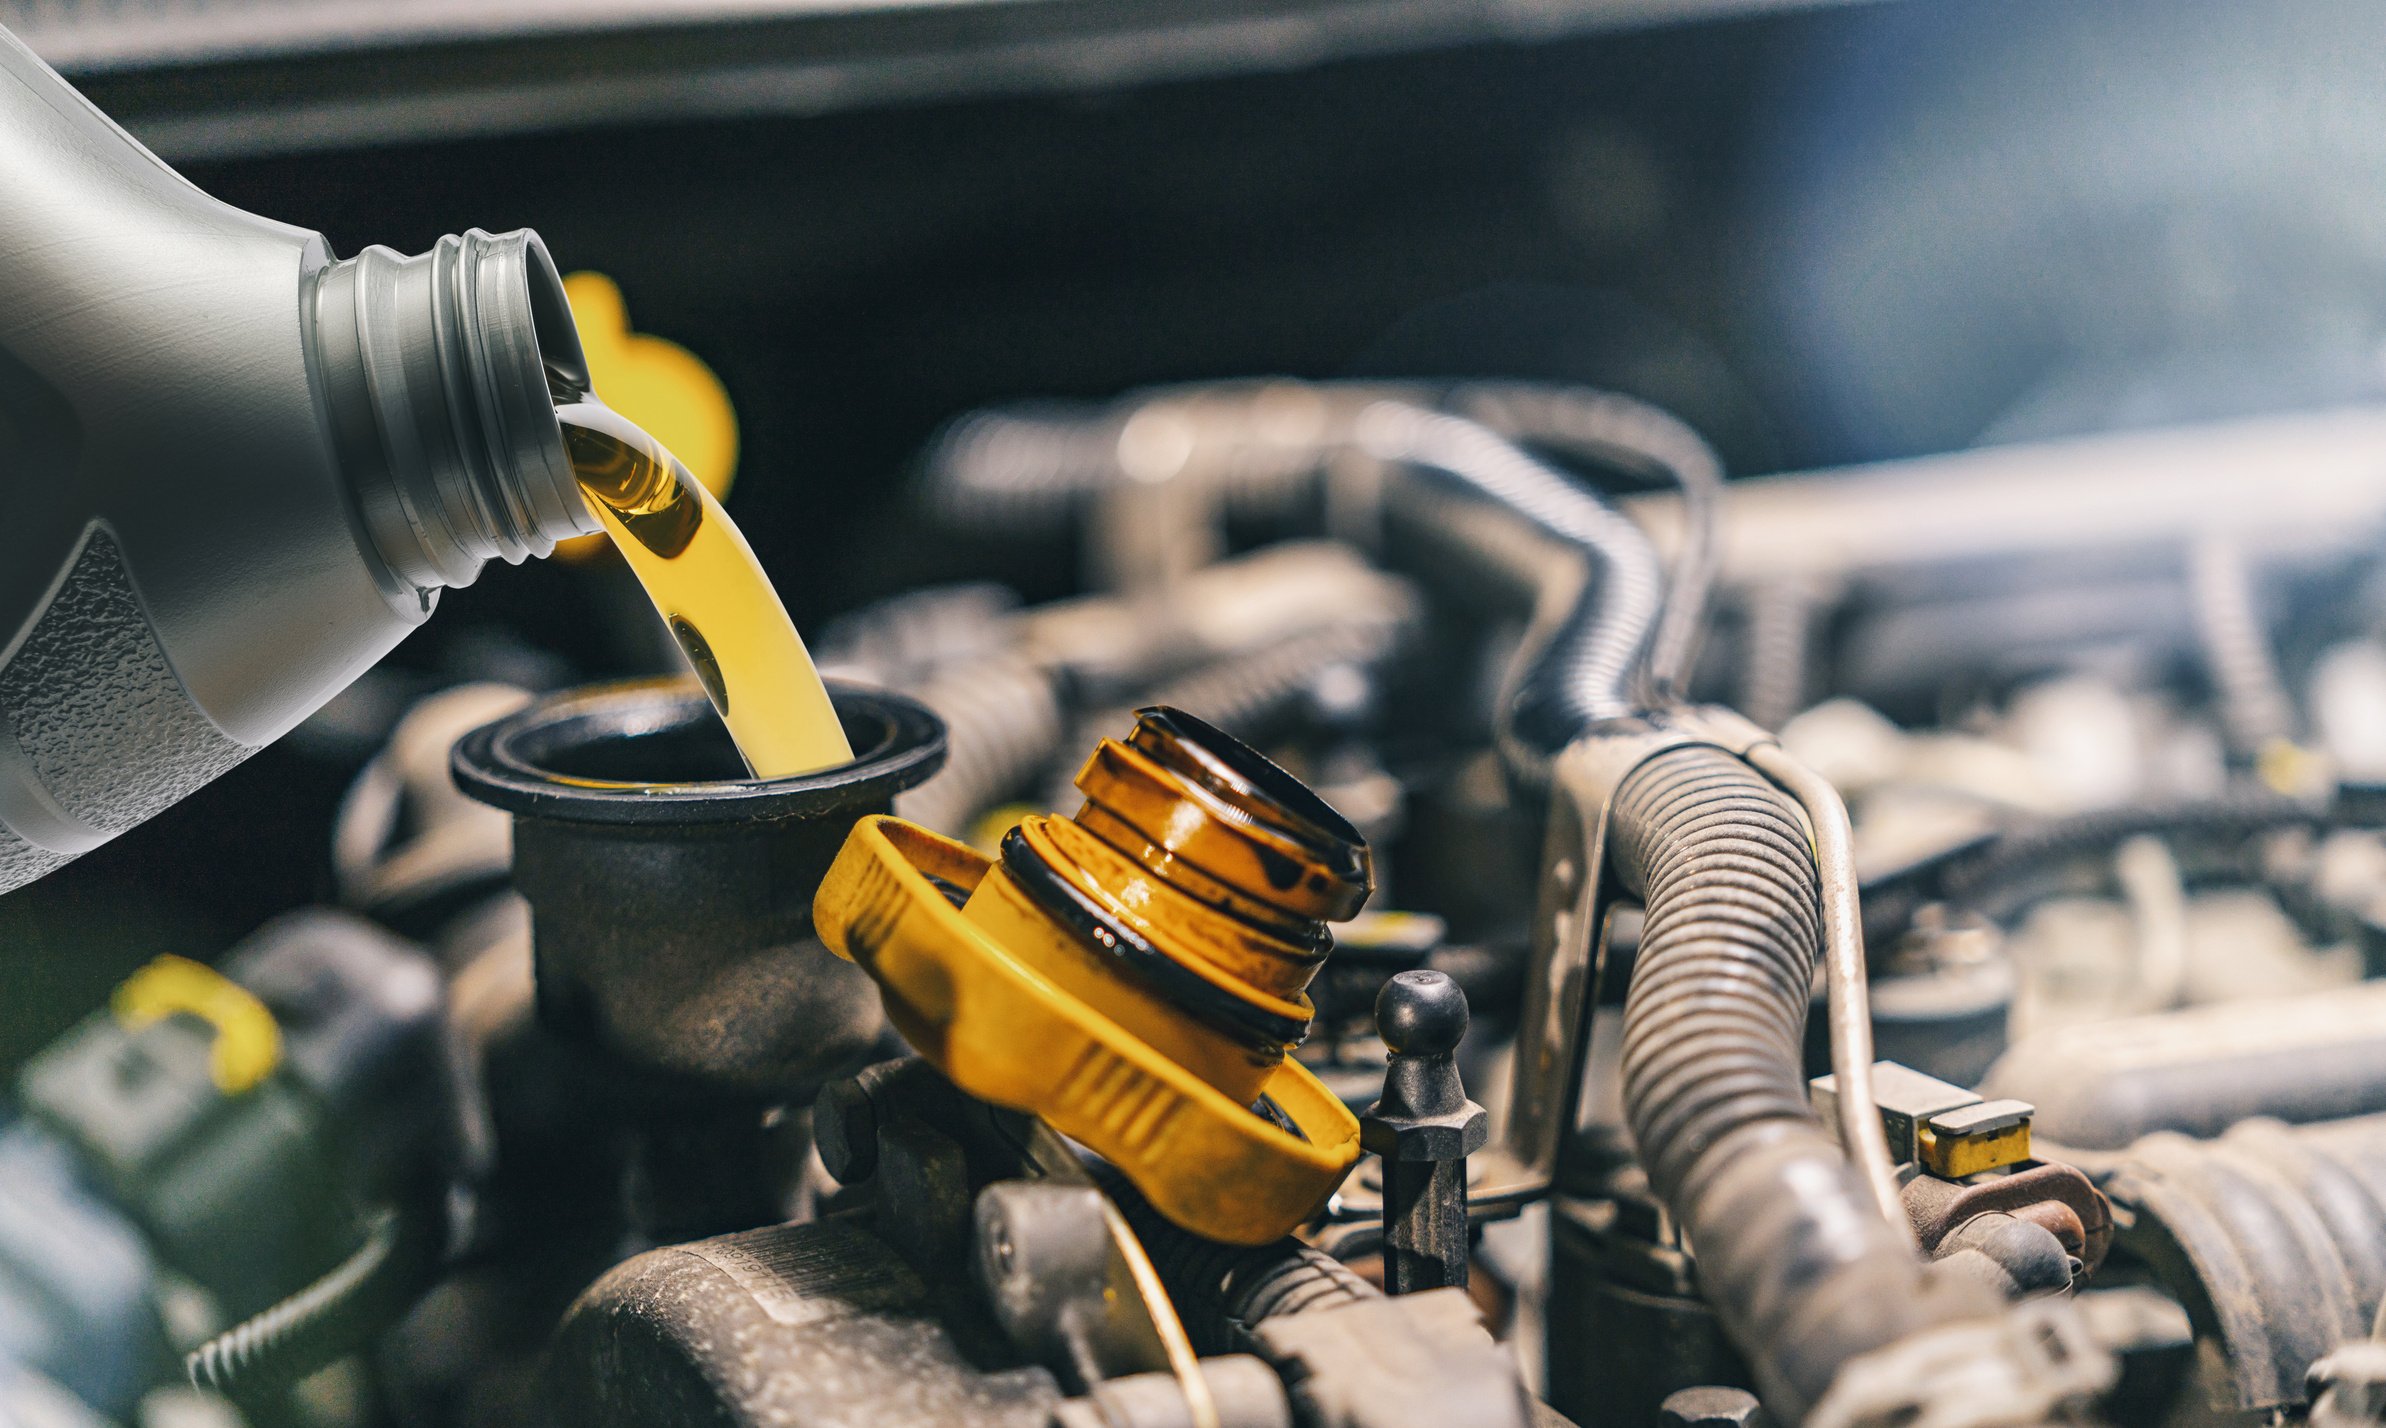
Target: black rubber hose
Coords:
[(1621, 433), (1582, 674), (1801, 1268), (1620, 627), (1022, 467), (1222, 1292), (2255, 708), (2001, 876), (2001, 880), (1777, 650), (325, 1321)]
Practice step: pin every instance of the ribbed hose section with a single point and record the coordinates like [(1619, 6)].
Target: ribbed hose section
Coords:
[(1003, 723), (1803, 1271), (328, 1319), (1581, 675), (1223, 1292), (1022, 467), (1777, 656), (1614, 430), (1717, 1009), (1245, 694), (2255, 709)]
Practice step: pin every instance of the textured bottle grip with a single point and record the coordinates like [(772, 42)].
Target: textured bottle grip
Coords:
[(96, 732)]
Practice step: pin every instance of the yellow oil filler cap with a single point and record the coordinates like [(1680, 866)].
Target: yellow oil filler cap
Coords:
[(1136, 974), (660, 385)]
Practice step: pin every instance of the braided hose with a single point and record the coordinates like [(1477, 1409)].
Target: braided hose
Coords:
[(1802, 1269), (1614, 430), (1003, 723), (328, 1319), (1578, 677), (2255, 709), (1022, 467), (1243, 694), (1776, 661)]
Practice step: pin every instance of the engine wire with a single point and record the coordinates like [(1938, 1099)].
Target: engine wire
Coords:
[(1614, 430), (1845, 982), (1580, 672)]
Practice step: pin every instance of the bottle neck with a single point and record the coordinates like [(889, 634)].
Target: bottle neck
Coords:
[(435, 372)]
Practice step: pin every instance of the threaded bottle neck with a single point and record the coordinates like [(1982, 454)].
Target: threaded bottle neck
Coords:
[(435, 372)]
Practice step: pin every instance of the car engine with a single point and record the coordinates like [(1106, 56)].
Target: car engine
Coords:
[(1648, 715)]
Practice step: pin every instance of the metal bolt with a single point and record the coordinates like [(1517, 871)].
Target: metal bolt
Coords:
[(1562, 874), (1712, 1406), (845, 1131), (1424, 1127)]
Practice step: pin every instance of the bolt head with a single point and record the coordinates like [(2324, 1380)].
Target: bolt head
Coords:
[(845, 1131), (1421, 1013), (1449, 1137), (1712, 1406)]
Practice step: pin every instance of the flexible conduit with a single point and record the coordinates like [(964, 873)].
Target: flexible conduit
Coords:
[(1791, 1250), (1582, 674), (1030, 464)]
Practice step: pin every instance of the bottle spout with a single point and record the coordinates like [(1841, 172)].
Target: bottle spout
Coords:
[(438, 373)]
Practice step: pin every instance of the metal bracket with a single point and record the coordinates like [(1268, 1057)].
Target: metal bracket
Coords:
[(1568, 964)]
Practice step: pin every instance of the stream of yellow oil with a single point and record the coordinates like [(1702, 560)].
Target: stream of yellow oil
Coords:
[(709, 589)]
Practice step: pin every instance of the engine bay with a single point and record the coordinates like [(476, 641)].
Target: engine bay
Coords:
[(1595, 719)]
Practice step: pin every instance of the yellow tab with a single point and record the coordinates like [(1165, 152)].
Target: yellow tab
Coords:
[(658, 384), (1954, 1157), (985, 834), (2288, 768), (248, 1043)]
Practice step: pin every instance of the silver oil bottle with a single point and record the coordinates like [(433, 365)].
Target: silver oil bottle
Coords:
[(234, 469)]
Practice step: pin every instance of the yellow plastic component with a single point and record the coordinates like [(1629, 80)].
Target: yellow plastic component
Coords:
[(985, 834), (658, 384), (1954, 1157), (2288, 768), (248, 1042), (1006, 1032)]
